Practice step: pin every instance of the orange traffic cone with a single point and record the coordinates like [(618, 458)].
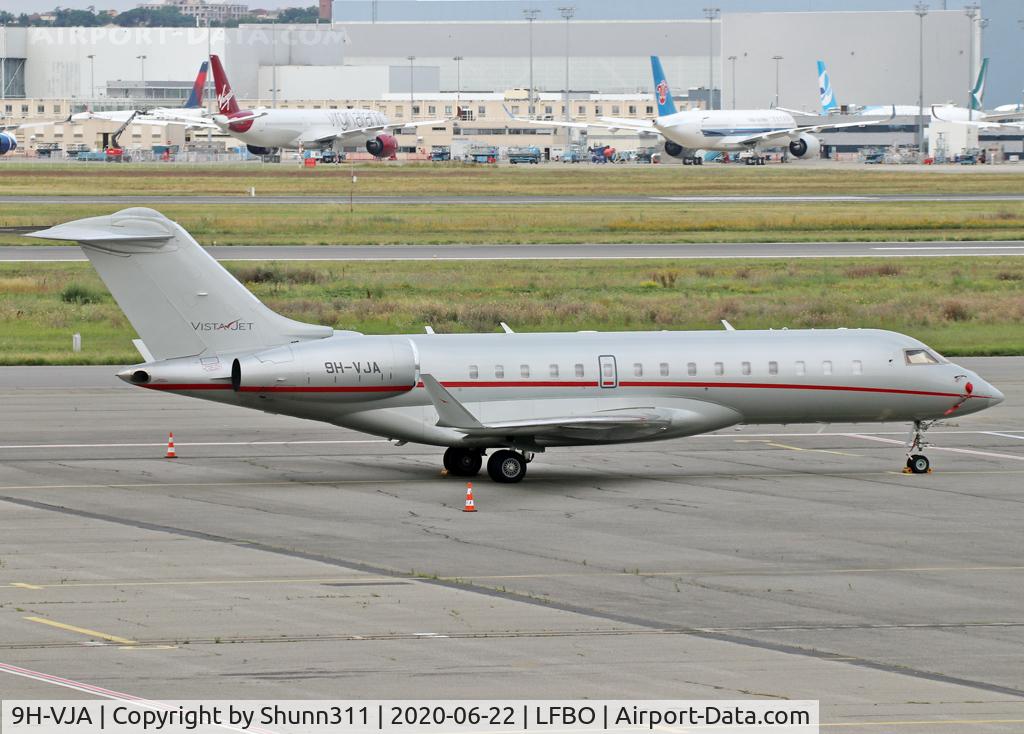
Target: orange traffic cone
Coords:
[(470, 504), (171, 453)]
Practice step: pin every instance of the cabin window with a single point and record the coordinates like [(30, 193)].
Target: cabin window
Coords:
[(474, 372), (499, 370), (553, 370), (579, 370), (801, 368), (745, 367), (663, 368), (524, 370), (773, 368), (691, 368), (826, 367), (858, 367), (719, 368), (638, 369), (919, 356)]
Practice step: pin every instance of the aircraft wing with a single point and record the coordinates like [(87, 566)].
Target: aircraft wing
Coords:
[(605, 123), (451, 413), (780, 135)]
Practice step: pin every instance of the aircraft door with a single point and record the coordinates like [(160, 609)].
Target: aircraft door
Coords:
[(607, 370)]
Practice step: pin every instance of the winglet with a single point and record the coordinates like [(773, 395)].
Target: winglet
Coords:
[(450, 412), (728, 326)]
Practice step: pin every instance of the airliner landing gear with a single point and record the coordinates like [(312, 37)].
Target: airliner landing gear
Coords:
[(918, 463), (463, 462), (507, 467)]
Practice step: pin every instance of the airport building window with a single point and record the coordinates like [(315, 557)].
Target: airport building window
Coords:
[(745, 367), (801, 368), (581, 110), (691, 368), (448, 109), (664, 369), (41, 109), (615, 109), (858, 367), (719, 368), (553, 370), (431, 110), (499, 371), (547, 109), (632, 109), (474, 372), (515, 109), (638, 369), (650, 110), (598, 110), (24, 109), (415, 109), (399, 111), (579, 370), (8, 109), (56, 109), (524, 370), (773, 368), (826, 367), (481, 110)]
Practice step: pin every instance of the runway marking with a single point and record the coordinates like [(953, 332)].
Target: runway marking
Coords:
[(21, 585), (182, 443), (82, 631), (208, 582), (103, 692), (1004, 435), (794, 448), (974, 452), (328, 483), (953, 247)]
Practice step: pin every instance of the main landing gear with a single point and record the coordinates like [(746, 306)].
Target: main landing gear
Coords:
[(504, 465), (917, 463)]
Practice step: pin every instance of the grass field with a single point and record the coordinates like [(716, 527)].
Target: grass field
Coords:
[(77, 178), (969, 307), (559, 223)]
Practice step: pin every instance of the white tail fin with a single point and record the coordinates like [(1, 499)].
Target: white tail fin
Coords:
[(179, 299)]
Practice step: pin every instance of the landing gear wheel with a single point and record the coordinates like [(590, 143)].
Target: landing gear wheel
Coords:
[(463, 462), (918, 464), (506, 467)]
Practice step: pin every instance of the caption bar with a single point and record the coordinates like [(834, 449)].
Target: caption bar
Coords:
[(139, 716)]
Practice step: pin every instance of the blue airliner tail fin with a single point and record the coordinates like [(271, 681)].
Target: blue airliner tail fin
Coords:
[(662, 94)]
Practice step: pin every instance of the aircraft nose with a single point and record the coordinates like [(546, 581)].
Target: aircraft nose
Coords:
[(994, 395)]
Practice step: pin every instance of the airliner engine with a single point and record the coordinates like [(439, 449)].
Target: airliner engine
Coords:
[(359, 368), (382, 146), (806, 146), (7, 143)]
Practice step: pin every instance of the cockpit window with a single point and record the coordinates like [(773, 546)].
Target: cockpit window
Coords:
[(919, 356)]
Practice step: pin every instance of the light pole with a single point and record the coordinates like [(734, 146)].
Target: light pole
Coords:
[(412, 86), (777, 59), (971, 11), (711, 14), (567, 12), (458, 86), (92, 75), (142, 72), (3, 65), (531, 15), (1020, 23), (273, 70), (921, 9), (732, 59)]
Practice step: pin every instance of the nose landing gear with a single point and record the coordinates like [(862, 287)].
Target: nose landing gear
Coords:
[(917, 463)]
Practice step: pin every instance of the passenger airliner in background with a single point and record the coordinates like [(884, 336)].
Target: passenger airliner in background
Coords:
[(942, 112), (204, 335), (688, 131), (265, 131)]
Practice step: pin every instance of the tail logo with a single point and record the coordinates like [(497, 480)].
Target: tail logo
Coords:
[(662, 91), (224, 98)]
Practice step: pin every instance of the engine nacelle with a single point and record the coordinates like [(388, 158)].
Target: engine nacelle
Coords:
[(351, 369), (675, 150), (7, 143), (259, 150), (806, 146), (382, 146)]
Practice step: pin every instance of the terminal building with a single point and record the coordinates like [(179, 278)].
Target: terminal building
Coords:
[(469, 60)]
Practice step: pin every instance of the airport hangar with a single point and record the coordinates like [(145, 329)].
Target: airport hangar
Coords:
[(473, 69)]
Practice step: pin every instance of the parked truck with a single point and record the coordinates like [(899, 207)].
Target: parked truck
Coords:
[(528, 154)]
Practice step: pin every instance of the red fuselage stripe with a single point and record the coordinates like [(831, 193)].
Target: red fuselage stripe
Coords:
[(540, 383)]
